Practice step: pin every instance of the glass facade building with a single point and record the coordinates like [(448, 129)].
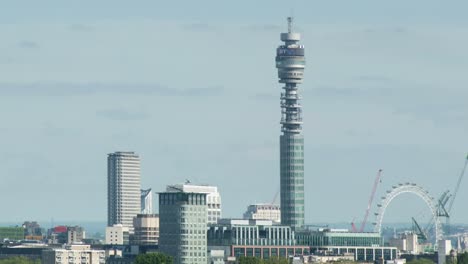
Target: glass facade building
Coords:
[(326, 238), (183, 226), (364, 246)]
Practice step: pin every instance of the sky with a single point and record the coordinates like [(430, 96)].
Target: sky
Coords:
[(191, 86)]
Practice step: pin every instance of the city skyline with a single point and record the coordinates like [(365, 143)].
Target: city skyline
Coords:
[(101, 84)]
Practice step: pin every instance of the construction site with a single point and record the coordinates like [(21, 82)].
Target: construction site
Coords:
[(434, 235)]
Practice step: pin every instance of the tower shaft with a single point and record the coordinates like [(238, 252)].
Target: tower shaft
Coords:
[(290, 62)]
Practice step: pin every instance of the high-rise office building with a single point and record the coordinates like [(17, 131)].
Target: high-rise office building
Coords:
[(213, 198), (290, 62), (123, 188), (146, 201), (182, 222)]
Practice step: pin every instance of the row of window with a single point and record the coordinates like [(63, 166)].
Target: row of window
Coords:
[(293, 167)]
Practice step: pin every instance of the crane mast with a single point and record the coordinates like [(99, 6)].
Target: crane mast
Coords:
[(449, 209), (371, 199)]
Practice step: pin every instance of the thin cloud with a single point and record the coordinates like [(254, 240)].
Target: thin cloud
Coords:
[(198, 27), (27, 44), (84, 89), (80, 28), (265, 97), (6, 60), (264, 28), (121, 114)]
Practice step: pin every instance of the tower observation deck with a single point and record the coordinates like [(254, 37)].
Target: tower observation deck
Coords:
[(290, 62)]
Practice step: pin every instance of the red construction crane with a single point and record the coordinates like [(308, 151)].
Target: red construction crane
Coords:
[(353, 226), (374, 188)]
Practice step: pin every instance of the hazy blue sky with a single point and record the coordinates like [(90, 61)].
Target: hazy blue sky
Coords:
[(191, 86)]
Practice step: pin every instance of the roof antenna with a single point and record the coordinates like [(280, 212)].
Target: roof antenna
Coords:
[(290, 20)]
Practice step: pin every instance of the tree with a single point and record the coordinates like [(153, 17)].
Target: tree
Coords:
[(19, 260), (463, 258), (257, 260), (276, 260), (250, 260), (153, 258), (421, 261)]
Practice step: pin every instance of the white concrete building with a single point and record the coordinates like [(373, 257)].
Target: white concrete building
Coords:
[(74, 254), (117, 235), (412, 243), (443, 250), (146, 229), (146, 201), (75, 234), (213, 198), (264, 212), (123, 188)]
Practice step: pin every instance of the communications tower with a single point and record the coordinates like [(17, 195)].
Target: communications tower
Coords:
[(290, 62)]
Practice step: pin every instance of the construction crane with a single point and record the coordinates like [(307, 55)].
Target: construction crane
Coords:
[(275, 197), (422, 235), (457, 187), (449, 209), (442, 210), (353, 226), (371, 199)]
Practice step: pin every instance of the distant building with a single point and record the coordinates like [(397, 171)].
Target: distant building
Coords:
[(11, 233), (117, 235), (183, 217), (259, 238), (146, 201), (327, 258), (123, 188), (146, 229), (364, 246), (32, 230), (30, 251), (216, 256), (75, 234), (66, 235), (264, 212), (264, 239), (57, 235), (443, 250), (213, 198), (74, 254)]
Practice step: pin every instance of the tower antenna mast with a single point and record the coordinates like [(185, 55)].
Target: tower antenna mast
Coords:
[(290, 21)]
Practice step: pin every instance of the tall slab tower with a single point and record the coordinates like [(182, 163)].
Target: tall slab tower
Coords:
[(290, 62)]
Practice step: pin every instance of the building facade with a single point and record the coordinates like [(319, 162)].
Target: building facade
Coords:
[(290, 62), (146, 201), (11, 233), (146, 229), (254, 238), (74, 254), (75, 234), (117, 235), (123, 188), (263, 212), (213, 198), (183, 225), (363, 246)]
